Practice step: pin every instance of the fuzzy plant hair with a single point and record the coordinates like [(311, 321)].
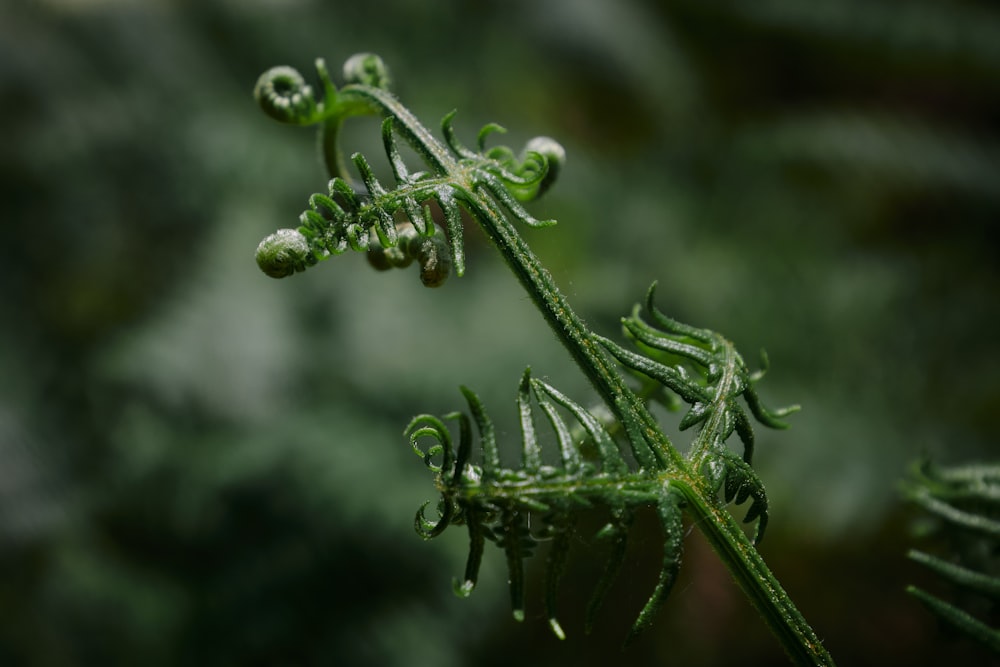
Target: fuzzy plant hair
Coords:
[(615, 457)]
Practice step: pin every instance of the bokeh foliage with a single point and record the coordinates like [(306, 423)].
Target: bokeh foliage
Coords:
[(204, 466)]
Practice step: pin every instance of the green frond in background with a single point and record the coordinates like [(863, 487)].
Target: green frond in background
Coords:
[(964, 507)]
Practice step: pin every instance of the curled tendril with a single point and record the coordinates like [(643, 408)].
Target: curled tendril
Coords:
[(367, 69), (428, 529), (283, 253), (429, 426), (555, 157), (285, 96)]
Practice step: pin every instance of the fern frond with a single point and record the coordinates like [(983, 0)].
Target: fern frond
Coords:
[(516, 508), (965, 501), (618, 460), (452, 176), (704, 370)]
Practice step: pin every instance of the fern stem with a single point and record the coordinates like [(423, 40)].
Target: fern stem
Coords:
[(585, 348), (652, 449), (755, 579), (329, 148)]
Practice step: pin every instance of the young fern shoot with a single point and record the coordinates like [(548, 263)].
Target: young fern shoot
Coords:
[(515, 508)]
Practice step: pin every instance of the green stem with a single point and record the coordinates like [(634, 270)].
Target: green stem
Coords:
[(582, 344), (329, 147), (755, 578)]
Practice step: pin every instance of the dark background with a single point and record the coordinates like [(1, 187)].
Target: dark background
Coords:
[(201, 465)]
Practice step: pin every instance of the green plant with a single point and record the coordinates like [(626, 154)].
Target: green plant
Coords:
[(963, 503), (616, 457)]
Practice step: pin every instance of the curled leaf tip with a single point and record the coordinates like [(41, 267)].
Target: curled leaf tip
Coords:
[(428, 529), (285, 96), (283, 253), (367, 69), (555, 158), (530, 177), (551, 150)]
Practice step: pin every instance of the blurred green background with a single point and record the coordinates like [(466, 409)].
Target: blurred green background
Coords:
[(201, 465)]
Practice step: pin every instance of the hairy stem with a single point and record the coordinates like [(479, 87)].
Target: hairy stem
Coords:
[(582, 345), (755, 579)]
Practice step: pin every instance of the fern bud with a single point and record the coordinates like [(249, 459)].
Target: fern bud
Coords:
[(367, 69), (435, 261), (555, 156), (393, 257), (283, 253), (383, 259), (285, 96)]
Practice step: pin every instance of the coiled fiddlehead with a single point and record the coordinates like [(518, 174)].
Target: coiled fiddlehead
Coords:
[(517, 507), (452, 176), (286, 97)]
